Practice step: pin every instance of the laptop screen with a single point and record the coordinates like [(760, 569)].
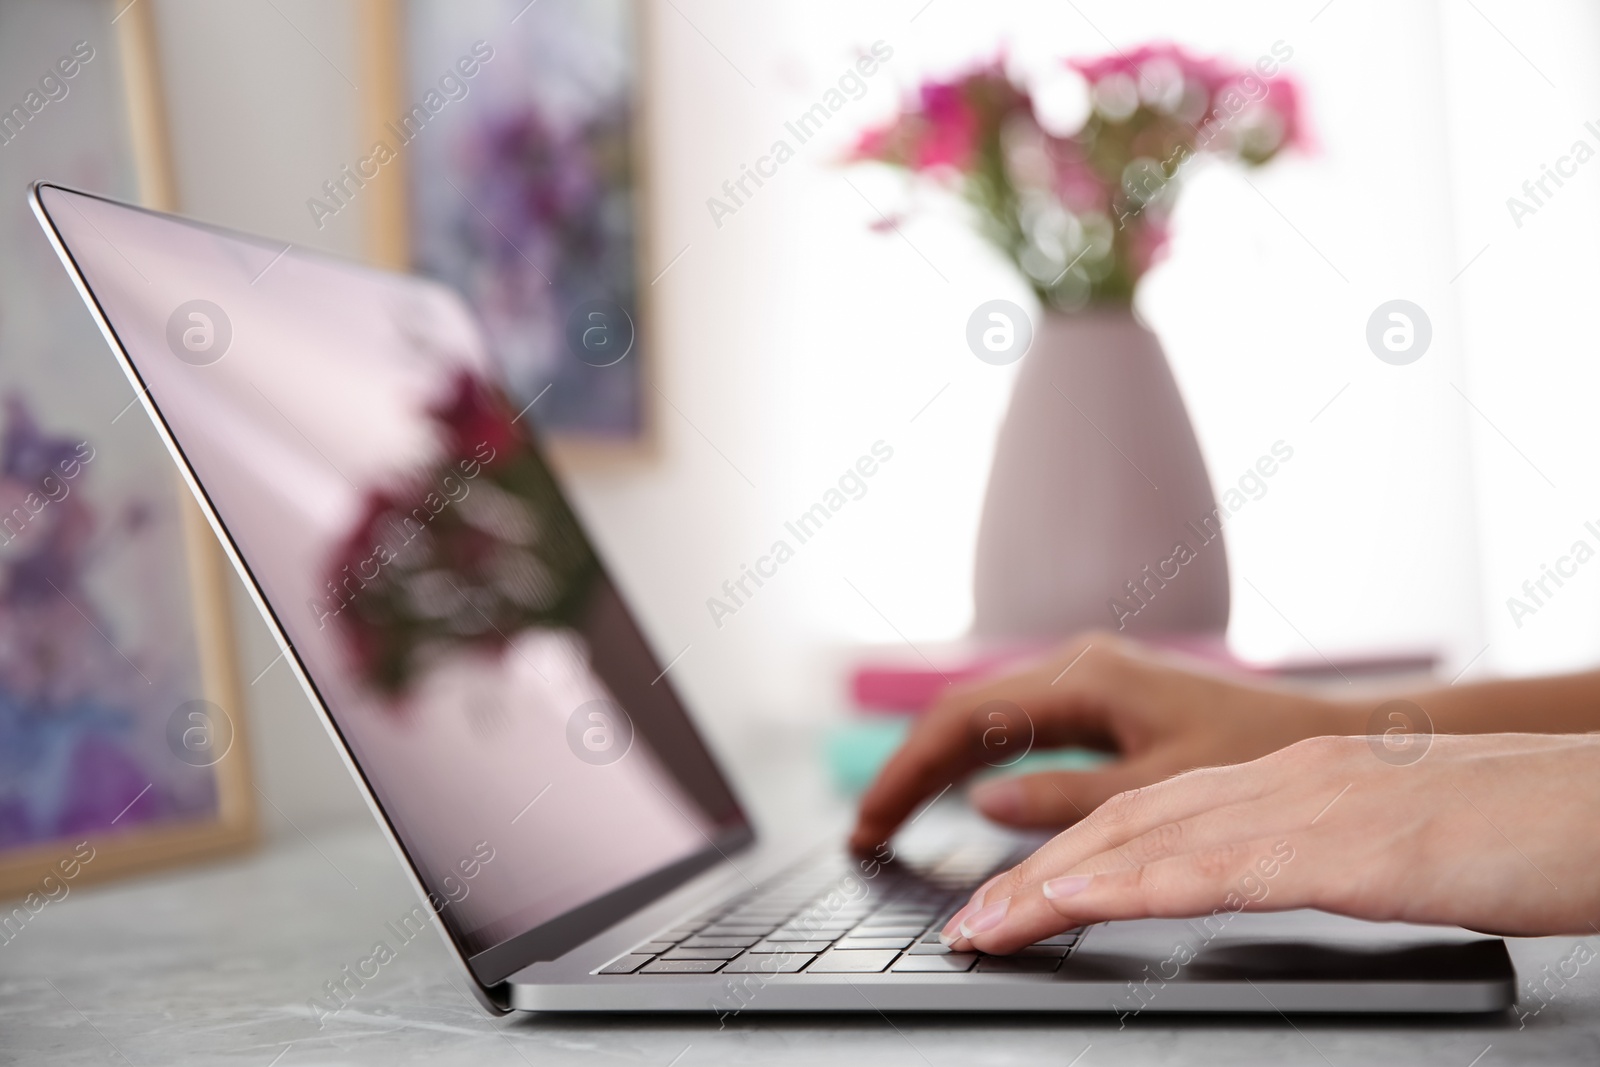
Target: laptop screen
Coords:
[(348, 430)]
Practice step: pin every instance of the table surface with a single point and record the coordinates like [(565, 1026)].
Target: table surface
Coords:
[(217, 964)]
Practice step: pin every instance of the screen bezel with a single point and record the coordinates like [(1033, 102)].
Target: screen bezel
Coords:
[(555, 936)]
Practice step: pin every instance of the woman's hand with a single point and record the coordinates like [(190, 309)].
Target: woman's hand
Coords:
[(1493, 832), (1099, 692)]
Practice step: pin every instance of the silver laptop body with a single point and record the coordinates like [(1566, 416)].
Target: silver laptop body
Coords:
[(563, 823)]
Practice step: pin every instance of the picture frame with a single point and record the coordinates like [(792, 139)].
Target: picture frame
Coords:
[(200, 800), (396, 215)]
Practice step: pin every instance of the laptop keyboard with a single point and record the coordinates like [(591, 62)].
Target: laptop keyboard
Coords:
[(831, 918)]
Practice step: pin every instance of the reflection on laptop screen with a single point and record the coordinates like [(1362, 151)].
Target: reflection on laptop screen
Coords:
[(440, 595)]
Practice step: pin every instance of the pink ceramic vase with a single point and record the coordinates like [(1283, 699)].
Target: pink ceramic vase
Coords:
[(1099, 513)]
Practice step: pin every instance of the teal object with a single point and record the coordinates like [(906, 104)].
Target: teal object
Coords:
[(857, 749)]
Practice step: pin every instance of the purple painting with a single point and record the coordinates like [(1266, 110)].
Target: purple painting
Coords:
[(98, 650), (518, 136)]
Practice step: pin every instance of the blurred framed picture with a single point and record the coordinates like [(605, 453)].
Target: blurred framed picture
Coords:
[(122, 744), (506, 146)]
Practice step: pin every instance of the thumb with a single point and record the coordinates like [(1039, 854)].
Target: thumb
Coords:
[(1053, 799)]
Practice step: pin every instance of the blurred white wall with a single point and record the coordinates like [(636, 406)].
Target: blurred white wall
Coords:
[(1527, 312), (793, 338)]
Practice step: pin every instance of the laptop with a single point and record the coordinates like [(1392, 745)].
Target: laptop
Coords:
[(565, 826)]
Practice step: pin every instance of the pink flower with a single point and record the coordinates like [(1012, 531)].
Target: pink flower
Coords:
[(1037, 190), (1208, 73), (944, 126), (1283, 100), (474, 416), (1212, 79), (871, 145), (950, 127)]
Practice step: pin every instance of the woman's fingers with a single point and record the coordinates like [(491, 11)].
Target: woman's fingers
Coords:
[(1260, 874), (935, 755), (991, 724), (1059, 798), (1205, 809), (1134, 813), (1479, 833), (1209, 830), (975, 903)]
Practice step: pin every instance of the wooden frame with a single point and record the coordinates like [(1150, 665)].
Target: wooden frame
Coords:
[(387, 238), (234, 827)]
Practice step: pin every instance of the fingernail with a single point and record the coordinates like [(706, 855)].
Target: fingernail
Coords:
[(953, 924), (1000, 800), (986, 918), (1056, 888), (948, 935)]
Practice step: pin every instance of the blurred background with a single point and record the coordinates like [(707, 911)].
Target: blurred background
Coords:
[(794, 333)]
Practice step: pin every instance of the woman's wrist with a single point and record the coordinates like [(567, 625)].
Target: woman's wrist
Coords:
[(1276, 717)]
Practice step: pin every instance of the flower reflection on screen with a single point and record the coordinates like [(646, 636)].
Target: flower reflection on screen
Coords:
[(470, 551)]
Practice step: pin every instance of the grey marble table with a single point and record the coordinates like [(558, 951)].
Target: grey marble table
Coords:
[(217, 964)]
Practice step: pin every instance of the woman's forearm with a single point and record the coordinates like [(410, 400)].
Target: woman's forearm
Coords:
[(1563, 704)]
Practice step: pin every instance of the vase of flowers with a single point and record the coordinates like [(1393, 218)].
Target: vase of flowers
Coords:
[(1098, 511)]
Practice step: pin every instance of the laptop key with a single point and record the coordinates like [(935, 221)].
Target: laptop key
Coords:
[(922, 948), (681, 967), (703, 953), (873, 942), (769, 963), (1069, 938), (909, 933), (825, 934), (625, 964), (790, 946), (653, 948), (856, 961), (716, 942), (903, 915), (949, 963), (1017, 964)]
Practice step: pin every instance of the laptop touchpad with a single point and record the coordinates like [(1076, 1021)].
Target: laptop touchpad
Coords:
[(1286, 946)]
